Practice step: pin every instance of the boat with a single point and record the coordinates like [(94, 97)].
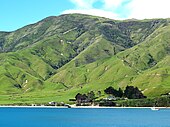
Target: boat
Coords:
[(155, 108)]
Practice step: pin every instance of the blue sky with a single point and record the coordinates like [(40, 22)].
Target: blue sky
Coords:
[(18, 13), (15, 14)]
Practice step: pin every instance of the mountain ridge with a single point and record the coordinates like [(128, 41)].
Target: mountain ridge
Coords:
[(71, 53)]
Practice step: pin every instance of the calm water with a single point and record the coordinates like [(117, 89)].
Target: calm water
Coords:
[(44, 117)]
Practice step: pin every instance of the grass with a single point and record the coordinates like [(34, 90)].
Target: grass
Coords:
[(61, 56)]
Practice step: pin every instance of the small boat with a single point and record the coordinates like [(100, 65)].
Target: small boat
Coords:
[(155, 108)]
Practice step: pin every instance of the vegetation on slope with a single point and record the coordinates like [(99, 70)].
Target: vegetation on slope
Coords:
[(64, 55)]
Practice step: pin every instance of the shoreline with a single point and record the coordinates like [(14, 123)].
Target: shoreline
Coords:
[(90, 107)]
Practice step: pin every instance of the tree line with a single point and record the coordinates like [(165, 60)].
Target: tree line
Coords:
[(130, 92), (83, 98)]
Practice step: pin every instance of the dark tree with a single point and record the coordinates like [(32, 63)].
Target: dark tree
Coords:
[(81, 98), (120, 93), (91, 96), (107, 103), (132, 92), (84, 97), (18, 86), (109, 90), (78, 97), (114, 92)]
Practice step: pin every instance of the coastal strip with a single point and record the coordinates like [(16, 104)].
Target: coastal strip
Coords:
[(72, 106)]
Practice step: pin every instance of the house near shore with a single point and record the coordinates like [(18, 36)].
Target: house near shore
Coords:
[(52, 103), (110, 98)]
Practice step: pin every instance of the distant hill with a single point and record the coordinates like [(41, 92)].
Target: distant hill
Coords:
[(59, 56)]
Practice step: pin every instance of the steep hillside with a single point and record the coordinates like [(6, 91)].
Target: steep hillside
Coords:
[(70, 53), (144, 65)]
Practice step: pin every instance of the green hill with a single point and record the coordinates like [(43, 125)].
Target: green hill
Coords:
[(58, 57)]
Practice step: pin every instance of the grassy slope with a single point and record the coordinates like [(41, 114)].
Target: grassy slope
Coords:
[(88, 52), (144, 65), (155, 76)]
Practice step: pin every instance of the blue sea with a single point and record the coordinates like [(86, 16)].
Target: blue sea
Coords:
[(77, 117)]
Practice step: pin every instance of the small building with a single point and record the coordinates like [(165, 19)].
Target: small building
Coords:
[(110, 98), (52, 103)]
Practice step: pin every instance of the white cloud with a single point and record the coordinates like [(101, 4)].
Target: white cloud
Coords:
[(115, 9), (95, 12), (142, 9), (86, 7), (83, 4), (112, 4)]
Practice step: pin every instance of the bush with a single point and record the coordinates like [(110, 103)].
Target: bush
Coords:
[(132, 92)]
